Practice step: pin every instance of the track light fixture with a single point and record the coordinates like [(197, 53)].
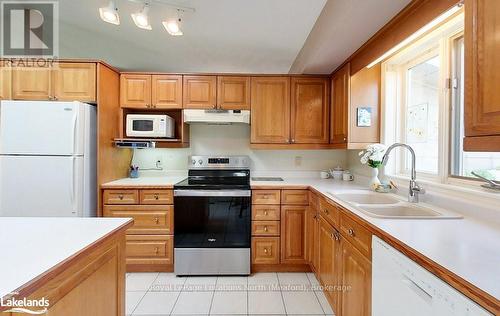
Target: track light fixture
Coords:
[(141, 18), (109, 14)]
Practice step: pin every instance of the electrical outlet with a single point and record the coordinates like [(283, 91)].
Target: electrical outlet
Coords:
[(298, 161)]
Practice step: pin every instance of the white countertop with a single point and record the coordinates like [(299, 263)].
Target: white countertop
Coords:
[(467, 247), (33, 245), (153, 181)]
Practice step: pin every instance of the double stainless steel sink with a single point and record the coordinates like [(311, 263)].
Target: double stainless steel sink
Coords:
[(386, 205)]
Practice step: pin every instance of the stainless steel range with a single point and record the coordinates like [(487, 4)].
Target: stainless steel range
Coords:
[(213, 217)]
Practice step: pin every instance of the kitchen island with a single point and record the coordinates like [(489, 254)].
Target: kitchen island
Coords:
[(70, 266)]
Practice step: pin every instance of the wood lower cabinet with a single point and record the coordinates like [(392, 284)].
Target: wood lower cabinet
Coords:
[(270, 118), (74, 81), (233, 93), (309, 110), (339, 112), (293, 234), (482, 67), (135, 91), (355, 274), (329, 262), (265, 250), (199, 92), (5, 83), (166, 91), (32, 83), (150, 239)]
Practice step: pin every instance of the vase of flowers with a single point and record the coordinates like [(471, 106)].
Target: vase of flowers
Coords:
[(372, 156)]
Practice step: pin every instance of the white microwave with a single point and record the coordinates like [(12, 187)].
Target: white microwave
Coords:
[(150, 125)]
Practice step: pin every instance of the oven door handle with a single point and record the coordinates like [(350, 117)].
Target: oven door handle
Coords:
[(219, 193)]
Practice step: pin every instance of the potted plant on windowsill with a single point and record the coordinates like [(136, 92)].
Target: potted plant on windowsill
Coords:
[(372, 156)]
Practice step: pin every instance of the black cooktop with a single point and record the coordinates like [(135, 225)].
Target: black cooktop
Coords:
[(237, 179)]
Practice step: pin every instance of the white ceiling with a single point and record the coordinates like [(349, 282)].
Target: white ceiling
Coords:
[(247, 36), (254, 36), (343, 27)]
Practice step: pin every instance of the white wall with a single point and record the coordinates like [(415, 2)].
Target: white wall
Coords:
[(235, 140)]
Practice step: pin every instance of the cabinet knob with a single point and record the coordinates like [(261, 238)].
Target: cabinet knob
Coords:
[(120, 196), (350, 231), (265, 228), (293, 140), (156, 196), (157, 250), (265, 213), (325, 211), (345, 138), (157, 220), (265, 250)]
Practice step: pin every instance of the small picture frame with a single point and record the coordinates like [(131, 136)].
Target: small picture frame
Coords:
[(364, 116)]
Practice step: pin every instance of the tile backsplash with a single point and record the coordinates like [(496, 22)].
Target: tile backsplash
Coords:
[(235, 140)]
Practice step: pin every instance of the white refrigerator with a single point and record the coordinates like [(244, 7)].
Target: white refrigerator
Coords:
[(47, 159)]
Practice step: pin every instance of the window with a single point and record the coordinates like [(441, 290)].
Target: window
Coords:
[(423, 96)]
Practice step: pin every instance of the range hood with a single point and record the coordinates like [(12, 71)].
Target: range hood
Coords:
[(217, 117)]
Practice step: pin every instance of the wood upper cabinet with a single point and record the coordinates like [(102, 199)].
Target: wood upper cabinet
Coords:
[(309, 110), (293, 234), (482, 68), (5, 83), (270, 103), (166, 91), (357, 273), (74, 81), (135, 91), (31, 83), (329, 264), (233, 93), (340, 106), (199, 92)]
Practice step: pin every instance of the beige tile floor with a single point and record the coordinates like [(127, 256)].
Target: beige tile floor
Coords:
[(259, 294)]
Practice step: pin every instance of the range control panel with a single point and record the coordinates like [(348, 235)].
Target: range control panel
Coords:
[(219, 162)]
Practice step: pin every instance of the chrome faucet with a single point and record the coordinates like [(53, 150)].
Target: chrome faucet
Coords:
[(415, 189)]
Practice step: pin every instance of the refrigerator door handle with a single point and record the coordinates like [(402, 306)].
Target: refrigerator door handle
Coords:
[(73, 144), (73, 186)]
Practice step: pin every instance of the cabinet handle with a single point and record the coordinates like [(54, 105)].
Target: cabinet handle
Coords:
[(265, 196), (120, 196), (156, 196), (325, 211), (157, 250), (265, 228), (54, 98), (336, 236), (265, 250), (265, 213), (157, 220), (293, 140), (351, 233)]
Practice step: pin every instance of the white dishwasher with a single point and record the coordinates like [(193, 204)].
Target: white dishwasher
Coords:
[(400, 287)]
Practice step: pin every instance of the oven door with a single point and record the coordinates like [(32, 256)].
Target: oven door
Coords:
[(212, 218)]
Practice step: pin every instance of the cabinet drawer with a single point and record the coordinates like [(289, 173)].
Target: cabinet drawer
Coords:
[(154, 249), (157, 197), (357, 234), (121, 196), (265, 250), (148, 219), (266, 212), (295, 197), (265, 228), (330, 212), (266, 197)]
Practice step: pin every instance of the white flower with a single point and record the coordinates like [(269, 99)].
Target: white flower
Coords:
[(374, 152)]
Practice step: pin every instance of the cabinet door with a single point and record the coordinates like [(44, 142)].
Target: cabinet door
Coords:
[(135, 91), (199, 92), (265, 250), (5, 83), (233, 93), (329, 268), (74, 82), (167, 91), (340, 106), (31, 83), (310, 111), (293, 234), (270, 110), (356, 273), (312, 233), (482, 67)]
